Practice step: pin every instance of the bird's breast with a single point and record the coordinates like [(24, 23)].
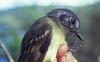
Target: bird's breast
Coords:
[(58, 39)]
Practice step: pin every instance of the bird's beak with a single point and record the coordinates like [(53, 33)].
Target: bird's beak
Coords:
[(79, 35)]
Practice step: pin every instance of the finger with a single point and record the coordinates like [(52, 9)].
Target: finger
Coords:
[(70, 57), (62, 51), (63, 59)]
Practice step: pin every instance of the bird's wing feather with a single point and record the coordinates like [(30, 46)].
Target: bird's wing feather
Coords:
[(35, 43)]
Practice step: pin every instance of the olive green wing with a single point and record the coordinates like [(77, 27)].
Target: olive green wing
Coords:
[(35, 43)]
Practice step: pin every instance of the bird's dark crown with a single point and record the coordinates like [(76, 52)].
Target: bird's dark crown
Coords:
[(60, 11)]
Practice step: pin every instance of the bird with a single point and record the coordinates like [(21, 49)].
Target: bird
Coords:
[(42, 40)]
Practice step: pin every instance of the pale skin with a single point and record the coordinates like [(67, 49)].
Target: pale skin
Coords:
[(63, 55)]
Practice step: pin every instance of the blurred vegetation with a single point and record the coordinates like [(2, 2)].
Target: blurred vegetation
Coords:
[(15, 22)]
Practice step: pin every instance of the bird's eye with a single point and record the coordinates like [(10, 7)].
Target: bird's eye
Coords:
[(72, 21)]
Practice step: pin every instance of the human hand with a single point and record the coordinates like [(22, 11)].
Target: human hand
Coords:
[(63, 55)]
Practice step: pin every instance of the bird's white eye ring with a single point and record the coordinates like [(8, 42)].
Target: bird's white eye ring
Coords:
[(77, 24)]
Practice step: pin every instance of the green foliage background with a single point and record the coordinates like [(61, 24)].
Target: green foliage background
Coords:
[(15, 22)]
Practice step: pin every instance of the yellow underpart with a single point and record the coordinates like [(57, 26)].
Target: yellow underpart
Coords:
[(58, 39)]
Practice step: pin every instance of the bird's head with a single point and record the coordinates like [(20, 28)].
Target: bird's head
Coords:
[(67, 19)]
